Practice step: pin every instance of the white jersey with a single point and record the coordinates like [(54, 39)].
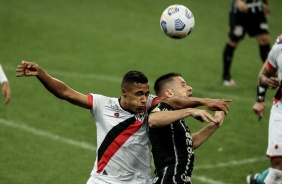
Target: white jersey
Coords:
[(3, 77), (275, 58), (275, 121), (123, 149), (275, 62)]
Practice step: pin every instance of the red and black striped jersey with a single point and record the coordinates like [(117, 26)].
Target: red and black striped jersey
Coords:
[(123, 149)]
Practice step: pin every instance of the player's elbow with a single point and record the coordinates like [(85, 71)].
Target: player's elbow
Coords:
[(153, 122)]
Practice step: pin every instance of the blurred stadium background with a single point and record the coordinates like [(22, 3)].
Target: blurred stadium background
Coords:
[(90, 44)]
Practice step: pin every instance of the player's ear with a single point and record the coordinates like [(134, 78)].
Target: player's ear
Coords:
[(123, 92), (168, 93)]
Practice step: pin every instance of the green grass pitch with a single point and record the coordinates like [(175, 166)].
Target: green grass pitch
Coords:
[(90, 45)]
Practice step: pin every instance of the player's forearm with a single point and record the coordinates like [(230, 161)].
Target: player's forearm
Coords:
[(61, 90), (263, 80), (184, 102), (201, 136), (164, 118), (55, 86)]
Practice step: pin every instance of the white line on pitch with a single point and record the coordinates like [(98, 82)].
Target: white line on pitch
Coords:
[(47, 134), (206, 180), (232, 163)]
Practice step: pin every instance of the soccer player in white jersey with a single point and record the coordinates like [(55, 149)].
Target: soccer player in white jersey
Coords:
[(123, 152), (268, 79), (6, 90)]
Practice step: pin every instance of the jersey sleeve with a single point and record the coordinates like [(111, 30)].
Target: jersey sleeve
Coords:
[(96, 101), (272, 57), (160, 107), (152, 100), (3, 77)]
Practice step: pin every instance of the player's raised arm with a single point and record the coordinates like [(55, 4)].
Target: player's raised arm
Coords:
[(202, 135), (53, 85), (159, 118), (210, 104)]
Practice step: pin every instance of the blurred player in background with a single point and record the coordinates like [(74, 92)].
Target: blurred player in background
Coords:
[(173, 144), (245, 16), (6, 90), (123, 149), (268, 79)]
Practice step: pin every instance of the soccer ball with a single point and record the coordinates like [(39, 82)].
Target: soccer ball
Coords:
[(177, 21)]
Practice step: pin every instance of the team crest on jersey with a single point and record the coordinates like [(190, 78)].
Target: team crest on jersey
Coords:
[(116, 115), (156, 109)]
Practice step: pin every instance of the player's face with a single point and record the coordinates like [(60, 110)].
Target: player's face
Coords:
[(135, 97), (181, 88)]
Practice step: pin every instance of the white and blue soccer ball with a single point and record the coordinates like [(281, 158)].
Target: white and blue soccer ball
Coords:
[(177, 21)]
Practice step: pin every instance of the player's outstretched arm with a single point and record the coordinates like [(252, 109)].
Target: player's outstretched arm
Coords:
[(210, 104), (201, 136), (158, 118), (53, 85), (217, 104)]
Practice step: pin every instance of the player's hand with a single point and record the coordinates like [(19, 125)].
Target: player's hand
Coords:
[(266, 10), (242, 6), (6, 92), (202, 115), (27, 69), (217, 105), (219, 116), (259, 108), (273, 82)]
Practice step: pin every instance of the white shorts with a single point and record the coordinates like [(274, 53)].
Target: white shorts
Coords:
[(95, 180), (275, 131), (100, 179)]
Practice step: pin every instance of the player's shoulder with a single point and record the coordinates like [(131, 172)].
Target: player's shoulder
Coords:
[(99, 98), (278, 43), (276, 49), (160, 106), (278, 40)]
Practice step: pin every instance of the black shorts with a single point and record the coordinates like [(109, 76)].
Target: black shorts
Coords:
[(167, 175), (252, 23)]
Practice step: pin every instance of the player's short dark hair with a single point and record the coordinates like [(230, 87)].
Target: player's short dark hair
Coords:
[(134, 77), (162, 80)]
